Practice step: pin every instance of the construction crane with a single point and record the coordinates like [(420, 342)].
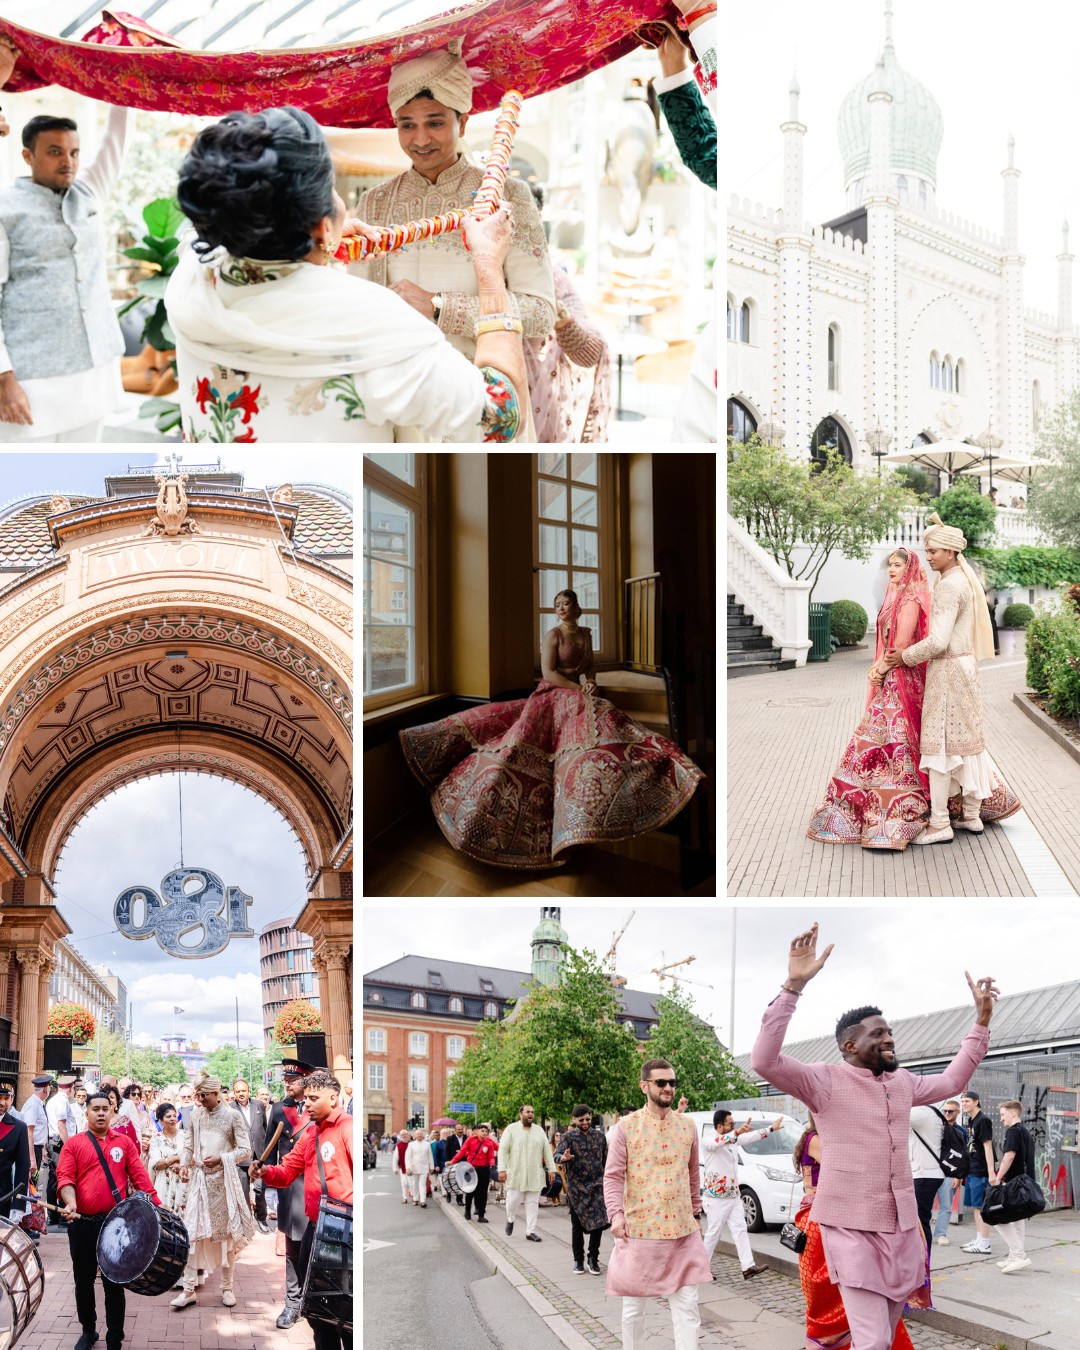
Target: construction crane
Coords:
[(677, 979), (615, 940)]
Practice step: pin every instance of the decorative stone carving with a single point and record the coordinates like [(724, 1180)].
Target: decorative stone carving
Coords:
[(335, 955), (58, 504), (27, 614), (171, 507), (322, 603), (31, 962), (284, 494)]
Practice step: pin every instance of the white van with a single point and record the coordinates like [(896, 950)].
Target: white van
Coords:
[(770, 1187)]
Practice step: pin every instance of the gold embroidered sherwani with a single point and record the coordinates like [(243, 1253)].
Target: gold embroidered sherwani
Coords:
[(217, 1215), (952, 717)]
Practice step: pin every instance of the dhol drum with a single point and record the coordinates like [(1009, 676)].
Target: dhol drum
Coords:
[(460, 1178), (22, 1279), (328, 1291), (142, 1246)]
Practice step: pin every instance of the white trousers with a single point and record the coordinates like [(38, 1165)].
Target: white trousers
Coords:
[(532, 1207), (1013, 1233), (727, 1213), (191, 1270), (89, 433), (418, 1186), (685, 1319), (942, 787), (403, 1177)]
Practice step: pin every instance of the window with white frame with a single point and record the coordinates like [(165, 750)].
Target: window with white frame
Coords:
[(376, 1077), (491, 1010), (417, 1000), (376, 1040), (395, 602), (417, 1043), (418, 1078), (455, 1047), (456, 1005)]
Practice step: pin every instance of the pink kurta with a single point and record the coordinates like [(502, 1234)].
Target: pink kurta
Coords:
[(865, 1201), (651, 1178)]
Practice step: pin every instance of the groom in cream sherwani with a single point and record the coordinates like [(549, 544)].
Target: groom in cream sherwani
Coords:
[(953, 750)]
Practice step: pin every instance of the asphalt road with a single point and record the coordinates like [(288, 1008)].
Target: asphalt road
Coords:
[(425, 1284)]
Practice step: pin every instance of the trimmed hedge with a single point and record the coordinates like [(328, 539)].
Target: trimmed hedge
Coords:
[(847, 622), (1016, 616), (1026, 565), (1053, 657)]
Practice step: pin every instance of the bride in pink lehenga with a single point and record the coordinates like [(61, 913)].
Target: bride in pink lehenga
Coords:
[(878, 796), (515, 784)]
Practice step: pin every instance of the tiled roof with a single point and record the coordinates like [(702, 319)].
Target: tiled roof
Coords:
[(24, 536), (324, 526)]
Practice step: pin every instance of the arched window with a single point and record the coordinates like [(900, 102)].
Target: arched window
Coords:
[(417, 1000), (731, 318), (744, 322), (830, 435), (902, 187), (1036, 405), (834, 356), (491, 1010), (456, 1005), (741, 423), (946, 374), (960, 376)]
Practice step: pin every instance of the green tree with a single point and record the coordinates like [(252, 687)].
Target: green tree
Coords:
[(706, 1071), (113, 1054), (565, 1044), (962, 507), (1054, 496), (790, 503), (916, 479), (151, 1066), (254, 1062)]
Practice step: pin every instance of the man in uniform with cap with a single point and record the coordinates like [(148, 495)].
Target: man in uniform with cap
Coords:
[(14, 1154), (33, 1112), (292, 1222), (430, 98), (953, 750), (63, 1124)]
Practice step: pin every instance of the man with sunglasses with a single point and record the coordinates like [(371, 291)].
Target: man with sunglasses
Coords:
[(653, 1198), (14, 1155), (583, 1153), (951, 1111), (524, 1157)]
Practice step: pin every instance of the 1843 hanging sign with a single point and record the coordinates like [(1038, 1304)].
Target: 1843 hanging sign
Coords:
[(220, 912)]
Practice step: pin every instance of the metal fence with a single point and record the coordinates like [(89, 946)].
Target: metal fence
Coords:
[(1047, 1088)]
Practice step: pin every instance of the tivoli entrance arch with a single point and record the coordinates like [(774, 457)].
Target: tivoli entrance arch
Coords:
[(177, 623)]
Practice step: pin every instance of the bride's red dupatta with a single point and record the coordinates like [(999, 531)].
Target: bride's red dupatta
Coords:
[(903, 620)]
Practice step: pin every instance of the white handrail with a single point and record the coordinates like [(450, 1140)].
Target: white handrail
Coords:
[(777, 602)]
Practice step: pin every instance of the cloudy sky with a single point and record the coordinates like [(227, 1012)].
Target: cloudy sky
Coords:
[(986, 83), (907, 961), (132, 837)]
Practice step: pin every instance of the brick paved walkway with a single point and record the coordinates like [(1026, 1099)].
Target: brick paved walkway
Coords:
[(766, 1314), (259, 1287), (785, 733)]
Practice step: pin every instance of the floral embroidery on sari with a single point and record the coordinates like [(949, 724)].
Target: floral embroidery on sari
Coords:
[(501, 420), (253, 271), (226, 398)]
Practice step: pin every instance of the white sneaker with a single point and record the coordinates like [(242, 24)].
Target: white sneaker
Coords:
[(1017, 1264), (1002, 1264), (976, 1247), (182, 1300), (942, 1241), (228, 1298)]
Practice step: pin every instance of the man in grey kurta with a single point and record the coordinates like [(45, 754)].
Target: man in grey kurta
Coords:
[(60, 343), (524, 1158)]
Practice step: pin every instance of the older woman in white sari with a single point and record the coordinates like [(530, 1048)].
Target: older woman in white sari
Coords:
[(274, 343)]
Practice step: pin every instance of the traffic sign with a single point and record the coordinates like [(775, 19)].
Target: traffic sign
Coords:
[(463, 1107)]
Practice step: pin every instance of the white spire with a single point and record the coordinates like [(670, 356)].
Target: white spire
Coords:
[(793, 91), (888, 26), (1012, 147)]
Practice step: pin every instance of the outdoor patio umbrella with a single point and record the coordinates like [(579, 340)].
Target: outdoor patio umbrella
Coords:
[(949, 457), (1011, 468)]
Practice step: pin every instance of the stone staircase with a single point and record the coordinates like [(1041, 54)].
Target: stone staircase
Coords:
[(749, 650)]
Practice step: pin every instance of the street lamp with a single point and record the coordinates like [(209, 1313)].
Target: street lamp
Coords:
[(988, 443), (878, 440)]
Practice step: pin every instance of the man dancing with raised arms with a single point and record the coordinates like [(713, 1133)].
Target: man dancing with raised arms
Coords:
[(865, 1201)]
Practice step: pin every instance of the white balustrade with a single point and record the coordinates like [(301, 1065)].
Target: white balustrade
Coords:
[(1013, 527), (778, 603)]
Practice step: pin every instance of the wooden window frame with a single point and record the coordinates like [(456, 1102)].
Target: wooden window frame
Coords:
[(607, 562), (413, 497)]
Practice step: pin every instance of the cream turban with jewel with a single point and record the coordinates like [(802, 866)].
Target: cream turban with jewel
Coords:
[(443, 72), (940, 535), (206, 1082)]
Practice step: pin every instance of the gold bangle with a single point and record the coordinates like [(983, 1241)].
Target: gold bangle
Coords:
[(787, 989), (501, 324)]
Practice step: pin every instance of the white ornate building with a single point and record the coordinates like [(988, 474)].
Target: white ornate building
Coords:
[(895, 316)]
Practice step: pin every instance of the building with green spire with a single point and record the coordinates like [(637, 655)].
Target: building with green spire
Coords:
[(547, 943)]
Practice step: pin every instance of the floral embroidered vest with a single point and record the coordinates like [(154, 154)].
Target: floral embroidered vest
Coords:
[(657, 1191), (56, 310)]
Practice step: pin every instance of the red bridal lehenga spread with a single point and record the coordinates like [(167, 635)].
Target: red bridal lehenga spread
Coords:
[(877, 796), (515, 784)]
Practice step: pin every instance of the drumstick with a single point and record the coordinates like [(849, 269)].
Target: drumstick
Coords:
[(488, 195), (277, 1136), (45, 1204)]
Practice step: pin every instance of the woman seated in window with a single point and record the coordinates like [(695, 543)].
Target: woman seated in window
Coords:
[(516, 784), (275, 343)]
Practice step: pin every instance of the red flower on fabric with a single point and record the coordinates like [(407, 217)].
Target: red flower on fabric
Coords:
[(247, 400), (203, 394), (248, 435)]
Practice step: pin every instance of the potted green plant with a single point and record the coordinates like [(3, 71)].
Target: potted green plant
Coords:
[(1015, 619), (158, 252)]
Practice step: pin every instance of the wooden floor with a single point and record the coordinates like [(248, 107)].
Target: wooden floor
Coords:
[(414, 859)]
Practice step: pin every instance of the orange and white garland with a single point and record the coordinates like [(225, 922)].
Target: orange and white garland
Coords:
[(488, 195)]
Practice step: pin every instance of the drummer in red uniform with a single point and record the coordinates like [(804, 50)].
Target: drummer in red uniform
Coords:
[(92, 1177), (331, 1133)]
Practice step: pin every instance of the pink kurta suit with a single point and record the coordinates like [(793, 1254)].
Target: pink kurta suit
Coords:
[(865, 1201), (651, 1177)]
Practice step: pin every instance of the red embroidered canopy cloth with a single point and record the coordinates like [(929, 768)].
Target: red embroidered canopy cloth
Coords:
[(533, 47)]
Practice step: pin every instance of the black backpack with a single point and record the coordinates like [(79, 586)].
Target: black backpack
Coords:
[(953, 1156)]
